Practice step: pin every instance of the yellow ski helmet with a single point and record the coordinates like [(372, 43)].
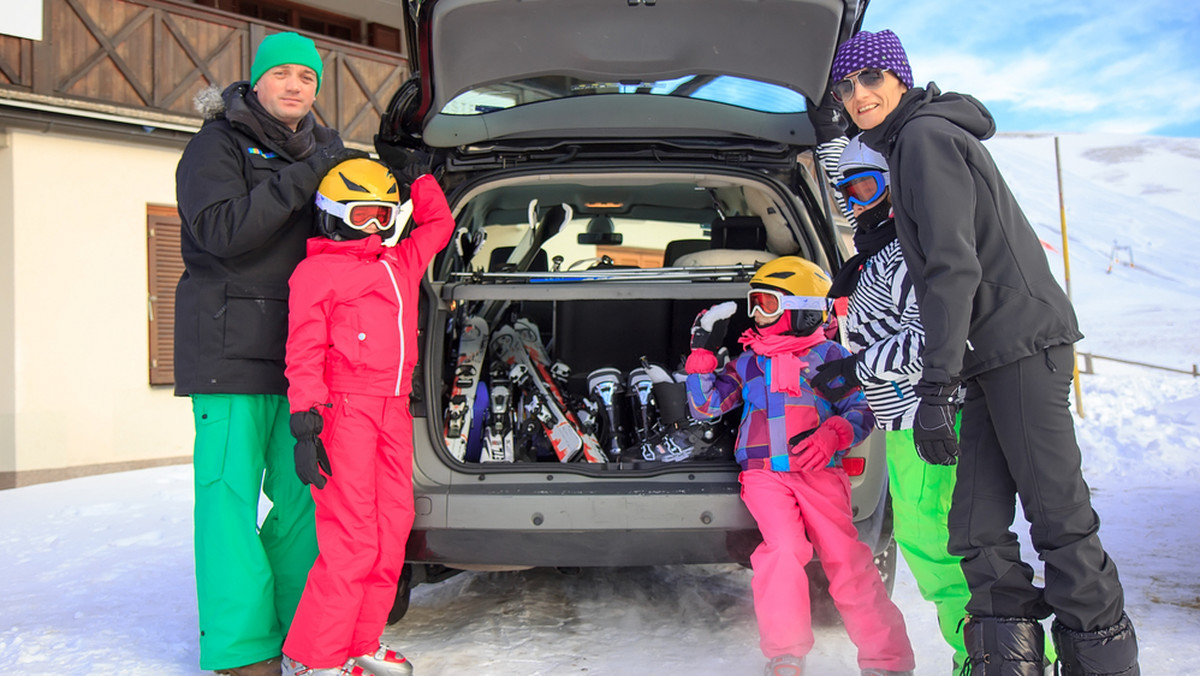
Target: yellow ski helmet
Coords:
[(791, 283), (356, 194)]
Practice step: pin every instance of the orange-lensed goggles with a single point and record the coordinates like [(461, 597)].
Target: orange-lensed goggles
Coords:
[(359, 215), (771, 303)]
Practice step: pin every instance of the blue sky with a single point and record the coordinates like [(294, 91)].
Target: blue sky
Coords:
[(1109, 66)]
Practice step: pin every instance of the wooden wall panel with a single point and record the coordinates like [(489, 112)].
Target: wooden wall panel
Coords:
[(150, 57)]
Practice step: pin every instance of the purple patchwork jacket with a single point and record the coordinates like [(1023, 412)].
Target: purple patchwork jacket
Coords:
[(771, 419)]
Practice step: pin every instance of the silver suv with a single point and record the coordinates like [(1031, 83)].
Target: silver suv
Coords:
[(614, 166)]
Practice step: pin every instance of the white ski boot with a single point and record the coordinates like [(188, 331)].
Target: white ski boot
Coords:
[(785, 665), (291, 667), (385, 662)]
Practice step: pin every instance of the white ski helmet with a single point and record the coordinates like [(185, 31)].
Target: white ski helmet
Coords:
[(857, 157)]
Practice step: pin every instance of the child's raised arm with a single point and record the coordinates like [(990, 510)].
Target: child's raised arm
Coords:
[(434, 225)]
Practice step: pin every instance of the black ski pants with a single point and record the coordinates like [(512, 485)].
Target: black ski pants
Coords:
[(1018, 439)]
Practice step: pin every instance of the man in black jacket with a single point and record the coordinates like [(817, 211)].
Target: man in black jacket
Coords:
[(997, 322), (245, 187)]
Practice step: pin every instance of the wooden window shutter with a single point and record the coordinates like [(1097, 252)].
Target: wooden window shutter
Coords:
[(165, 268)]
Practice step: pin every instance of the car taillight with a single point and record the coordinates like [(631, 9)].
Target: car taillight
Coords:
[(854, 466)]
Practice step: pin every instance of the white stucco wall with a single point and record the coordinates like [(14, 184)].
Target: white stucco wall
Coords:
[(79, 278), (7, 360)]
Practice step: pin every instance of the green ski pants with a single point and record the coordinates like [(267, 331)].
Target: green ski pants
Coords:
[(248, 577), (920, 504)]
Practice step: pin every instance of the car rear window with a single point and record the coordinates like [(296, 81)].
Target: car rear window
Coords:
[(727, 89)]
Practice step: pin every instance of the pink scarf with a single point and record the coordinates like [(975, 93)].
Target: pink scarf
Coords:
[(784, 352)]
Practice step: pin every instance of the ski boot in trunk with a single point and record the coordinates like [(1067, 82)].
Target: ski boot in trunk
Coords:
[(604, 387), (679, 436), (1111, 651), (1004, 646)]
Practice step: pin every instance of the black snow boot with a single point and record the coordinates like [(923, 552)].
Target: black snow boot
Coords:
[(1004, 646), (1111, 651)]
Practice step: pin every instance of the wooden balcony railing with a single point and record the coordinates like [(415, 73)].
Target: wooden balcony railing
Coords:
[(146, 60)]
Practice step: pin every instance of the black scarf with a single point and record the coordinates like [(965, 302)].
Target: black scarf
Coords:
[(297, 144), (867, 243)]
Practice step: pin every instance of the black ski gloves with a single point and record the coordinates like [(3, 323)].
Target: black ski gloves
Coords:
[(310, 452), (829, 119), (933, 428), (846, 369), (709, 327), (325, 158), (408, 164)]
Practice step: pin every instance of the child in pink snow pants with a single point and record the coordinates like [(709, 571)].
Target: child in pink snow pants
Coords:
[(790, 446), (351, 349)]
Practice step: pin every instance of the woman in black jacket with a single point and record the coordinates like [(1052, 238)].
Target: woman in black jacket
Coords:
[(997, 322)]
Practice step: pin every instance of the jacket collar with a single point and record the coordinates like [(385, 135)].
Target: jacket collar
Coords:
[(369, 248)]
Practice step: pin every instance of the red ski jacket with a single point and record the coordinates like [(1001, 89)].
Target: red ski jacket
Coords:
[(352, 311)]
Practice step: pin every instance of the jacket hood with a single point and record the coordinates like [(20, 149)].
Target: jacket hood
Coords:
[(962, 110), (369, 247), (212, 102)]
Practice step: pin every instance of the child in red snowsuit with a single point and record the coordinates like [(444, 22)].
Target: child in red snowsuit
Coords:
[(790, 445), (351, 349)]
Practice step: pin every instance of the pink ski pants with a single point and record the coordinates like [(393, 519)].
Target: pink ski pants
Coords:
[(798, 512), (364, 515)]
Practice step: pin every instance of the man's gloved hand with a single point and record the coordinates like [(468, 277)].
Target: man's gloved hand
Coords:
[(815, 450), (710, 326), (933, 427), (310, 452), (327, 157), (408, 164), (829, 119), (829, 371)]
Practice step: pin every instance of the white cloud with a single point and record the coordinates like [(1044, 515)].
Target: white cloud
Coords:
[(1098, 65)]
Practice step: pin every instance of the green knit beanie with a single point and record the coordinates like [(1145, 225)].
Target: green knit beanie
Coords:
[(283, 48)]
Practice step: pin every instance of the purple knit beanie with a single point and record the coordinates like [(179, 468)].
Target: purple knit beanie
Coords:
[(872, 50)]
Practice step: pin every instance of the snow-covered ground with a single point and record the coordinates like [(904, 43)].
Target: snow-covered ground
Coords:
[(96, 573)]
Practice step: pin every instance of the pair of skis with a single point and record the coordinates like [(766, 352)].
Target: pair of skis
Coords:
[(519, 361), (520, 348)]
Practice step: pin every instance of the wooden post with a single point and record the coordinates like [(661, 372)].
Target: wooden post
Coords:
[(1062, 217)]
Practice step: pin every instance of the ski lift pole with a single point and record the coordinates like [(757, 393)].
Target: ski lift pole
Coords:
[(1062, 217)]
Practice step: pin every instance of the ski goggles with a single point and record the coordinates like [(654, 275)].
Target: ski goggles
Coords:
[(771, 303), (870, 78), (863, 188), (359, 215)]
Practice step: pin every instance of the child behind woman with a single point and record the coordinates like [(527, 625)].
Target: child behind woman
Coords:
[(790, 446)]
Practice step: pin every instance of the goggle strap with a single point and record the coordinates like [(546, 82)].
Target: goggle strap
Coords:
[(788, 302)]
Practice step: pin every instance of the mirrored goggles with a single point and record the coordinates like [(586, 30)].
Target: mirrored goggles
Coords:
[(359, 215), (871, 78), (771, 303), (863, 188)]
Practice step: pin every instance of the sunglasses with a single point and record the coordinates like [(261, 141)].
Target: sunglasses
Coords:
[(863, 188), (359, 215), (871, 78), (771, 303)]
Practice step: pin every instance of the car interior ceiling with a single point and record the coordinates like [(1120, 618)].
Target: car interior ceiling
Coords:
[(731, 205)]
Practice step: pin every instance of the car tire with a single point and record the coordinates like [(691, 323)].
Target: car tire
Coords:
[(824, 612), (885, 561), (403, 593)]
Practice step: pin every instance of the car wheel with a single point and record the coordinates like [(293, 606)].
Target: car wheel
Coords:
[(885, 561), (824, 612), (403, 592)]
